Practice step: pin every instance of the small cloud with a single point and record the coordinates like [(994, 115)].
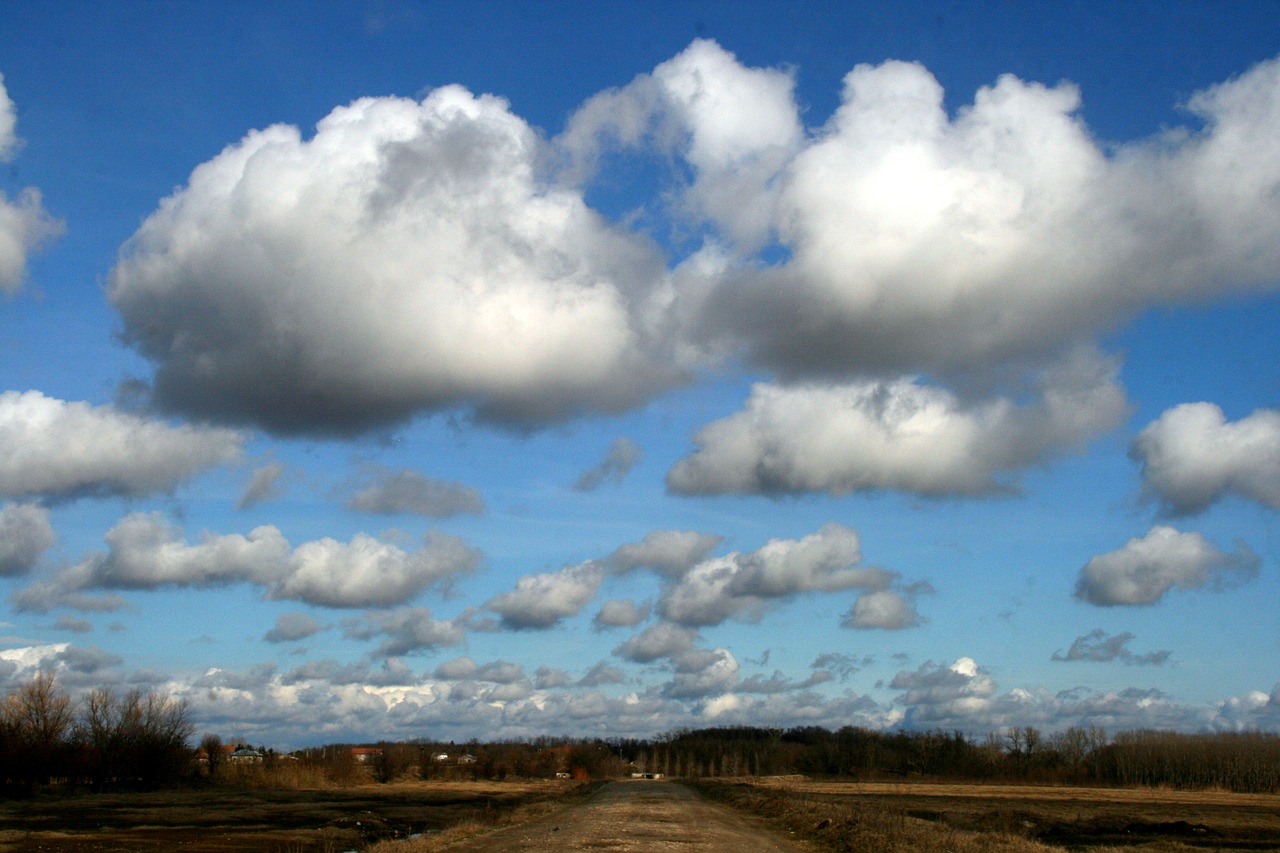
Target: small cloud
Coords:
[(658, 641), (1098, 647), (543, 600), (264, 485), (601, 674), (886, 609), (1141, 572), (1192, 457), (25, 534), (622, 457), (395, 492), (620, 614), (70, 623), (291, 627), (551, 678)]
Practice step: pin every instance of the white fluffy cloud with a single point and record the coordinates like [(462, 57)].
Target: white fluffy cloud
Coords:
[(742, 584), (144, 552), (64, 450), (407, 257), (543, 600), (24, 223), (735, 126), (391, 492), (900, 435), (1145, 569), (924, 241), (25, 534), (1191, 456)]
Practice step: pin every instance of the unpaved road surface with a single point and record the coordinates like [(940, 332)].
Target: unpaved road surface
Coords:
[(639, 815)]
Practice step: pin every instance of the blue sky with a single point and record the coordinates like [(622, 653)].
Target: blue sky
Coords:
[(490, 370)]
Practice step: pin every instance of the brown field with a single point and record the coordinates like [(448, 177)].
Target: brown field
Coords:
[(875, 817), (1060, 817), (221, 819)]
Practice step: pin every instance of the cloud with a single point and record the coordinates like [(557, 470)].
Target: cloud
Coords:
[(24, 223), (734, 126), (1191, 457), (622, 456), (25, 534), (670, 553), (144, 552), (741, 584), (543, 600), (620, 614), (291, 627), (897, 435), (465, 669), (62, 451), (841, 665), (658, 641), (1141, 572), (551, 678), (408, 257), (87, 660), (601, 674), (922, 240), (1098, 647), (66, 622), (703, 672), (945, 691), (264, 485), (409, 629), (392, 672), (369, 573), (886, 609), (388, 492)]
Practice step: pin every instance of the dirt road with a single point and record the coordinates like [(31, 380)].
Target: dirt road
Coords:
[(639, 815)]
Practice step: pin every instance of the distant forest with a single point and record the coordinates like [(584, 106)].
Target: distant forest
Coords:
[(142, 740)]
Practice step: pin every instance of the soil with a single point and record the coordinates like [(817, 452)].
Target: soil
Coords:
[(220, 820), (639, 815)]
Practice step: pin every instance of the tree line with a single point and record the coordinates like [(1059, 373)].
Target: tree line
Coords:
[(1236, 761), (141, 739), (107, 739)]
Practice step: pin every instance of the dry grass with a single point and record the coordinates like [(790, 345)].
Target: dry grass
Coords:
[(892, 817)]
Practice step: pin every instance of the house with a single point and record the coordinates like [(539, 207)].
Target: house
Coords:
[(245, 755), (364, 754)]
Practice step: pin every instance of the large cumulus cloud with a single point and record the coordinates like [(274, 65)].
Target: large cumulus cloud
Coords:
[(407, 257), (1191, 457), (925, 241)]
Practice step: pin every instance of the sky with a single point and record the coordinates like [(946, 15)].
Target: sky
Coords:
[(451, 370)]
